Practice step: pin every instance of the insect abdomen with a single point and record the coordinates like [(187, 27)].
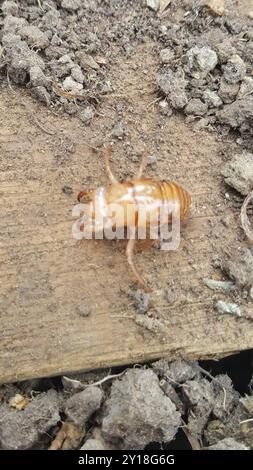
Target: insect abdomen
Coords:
[(179, 198)]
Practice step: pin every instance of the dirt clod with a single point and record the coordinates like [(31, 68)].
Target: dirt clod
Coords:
[(173, 85), (201, 61), (199, 392), (118, 130), (234, 70), (86, 115), (24, 429), (9, 8), (41, 94), (204, 397), (19, 58), (212, 98), (228, 444), (71, 5), (37, 77), (153, 416), (34, 36), (93, 444), (178, 371), (166, 55), (225, 397), (246, 88), (238, 427), (170, 295), (82, 405), (238, 173), (141, 301), (238, 114), (228, 91), (69, 84), (240, 268), (196, 107)]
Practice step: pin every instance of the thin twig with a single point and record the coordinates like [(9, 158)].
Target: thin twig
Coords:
[(99, 382), (225, 398), (105, 379), (176, 383), (153, 102), (195, 445), (244, 217)]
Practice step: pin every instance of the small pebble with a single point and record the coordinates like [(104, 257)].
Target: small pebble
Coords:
[(225, 220), (118, 131), (71, 85), (67, 190), (151, 160), (212, 98), (164, 107), (71, 5), (77, 74), (170, 295), (84, 309), (153, 4), (86, 115), (216, 261), (141, 301), (196, 107), (235, 69), (105, 87), (228, 308), (166, 55)]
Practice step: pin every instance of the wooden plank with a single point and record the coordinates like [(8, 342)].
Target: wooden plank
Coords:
[(46, 275)]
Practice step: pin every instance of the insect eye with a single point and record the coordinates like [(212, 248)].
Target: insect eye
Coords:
[(85, 196), (79, 196)]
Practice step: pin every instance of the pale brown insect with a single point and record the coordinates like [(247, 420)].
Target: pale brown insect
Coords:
[(135, 196)]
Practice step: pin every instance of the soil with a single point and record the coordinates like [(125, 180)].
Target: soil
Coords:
[(74, 77)]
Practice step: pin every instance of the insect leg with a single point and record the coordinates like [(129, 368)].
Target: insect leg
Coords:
[(129, 253), (106, 154), (143, 164)]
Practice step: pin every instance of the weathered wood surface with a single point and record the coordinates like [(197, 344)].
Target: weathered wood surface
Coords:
[(46, 275)]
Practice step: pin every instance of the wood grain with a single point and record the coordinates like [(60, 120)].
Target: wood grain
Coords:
[(47, 277)]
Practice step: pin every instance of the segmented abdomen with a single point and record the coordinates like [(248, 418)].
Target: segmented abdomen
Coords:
[(180, 199), (156, 193)]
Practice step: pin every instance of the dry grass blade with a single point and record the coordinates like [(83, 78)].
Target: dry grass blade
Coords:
[(244, 217)]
